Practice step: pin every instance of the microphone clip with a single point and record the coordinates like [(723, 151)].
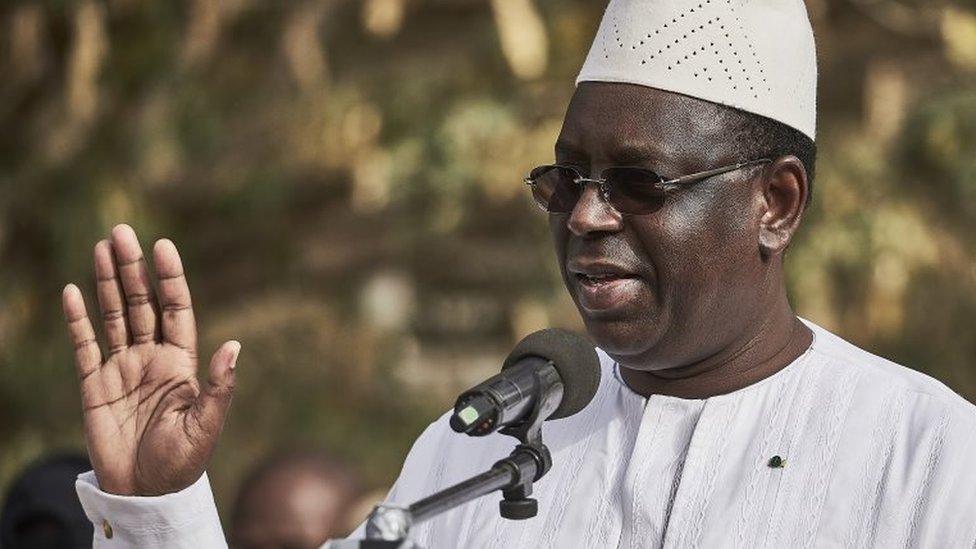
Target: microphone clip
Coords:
[(516, 503), (531, 459)]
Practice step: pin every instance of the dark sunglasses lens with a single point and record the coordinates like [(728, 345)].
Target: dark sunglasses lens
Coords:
[(635, 190), (555, 188)]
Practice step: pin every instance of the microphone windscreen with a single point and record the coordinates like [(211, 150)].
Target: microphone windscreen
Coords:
[(573, 357)]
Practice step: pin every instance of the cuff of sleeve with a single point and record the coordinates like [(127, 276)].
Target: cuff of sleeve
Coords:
[(187, 518)]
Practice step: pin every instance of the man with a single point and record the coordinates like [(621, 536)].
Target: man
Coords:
[(296, 500), (721, 419)]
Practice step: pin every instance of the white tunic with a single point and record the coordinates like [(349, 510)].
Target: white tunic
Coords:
[(876, 455)]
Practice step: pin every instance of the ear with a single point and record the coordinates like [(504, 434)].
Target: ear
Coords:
[(784, 197)]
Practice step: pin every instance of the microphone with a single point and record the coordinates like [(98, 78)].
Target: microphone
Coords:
[(552, 368)]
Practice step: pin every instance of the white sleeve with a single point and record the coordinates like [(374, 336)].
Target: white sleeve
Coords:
[(184, 519)]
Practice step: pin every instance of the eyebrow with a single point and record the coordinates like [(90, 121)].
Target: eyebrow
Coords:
[(621, 154), (629, 153)]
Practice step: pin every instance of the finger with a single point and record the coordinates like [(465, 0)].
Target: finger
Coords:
[(88, 357), (110, 299), (136, 285), (178, 326), (211, 409)]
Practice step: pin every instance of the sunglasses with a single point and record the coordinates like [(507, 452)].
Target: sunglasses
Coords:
[(630, 190)]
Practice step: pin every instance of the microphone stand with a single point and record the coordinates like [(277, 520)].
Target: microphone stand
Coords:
[(388, 526)]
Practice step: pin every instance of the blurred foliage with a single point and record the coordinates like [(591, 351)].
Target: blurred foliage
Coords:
[(343, 180)]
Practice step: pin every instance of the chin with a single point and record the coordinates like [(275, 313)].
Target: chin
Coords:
[(621, 337)]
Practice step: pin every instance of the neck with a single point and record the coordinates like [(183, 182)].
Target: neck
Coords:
[(780, 338)]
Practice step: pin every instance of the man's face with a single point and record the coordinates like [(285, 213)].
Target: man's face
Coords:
[(685, 279)]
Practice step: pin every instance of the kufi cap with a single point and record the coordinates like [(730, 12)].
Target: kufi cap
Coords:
[(754, 55)]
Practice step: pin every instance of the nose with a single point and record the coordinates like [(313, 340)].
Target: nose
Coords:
[(593, 214)]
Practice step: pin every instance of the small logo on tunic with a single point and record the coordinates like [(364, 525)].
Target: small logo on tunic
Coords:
[(776, 462)]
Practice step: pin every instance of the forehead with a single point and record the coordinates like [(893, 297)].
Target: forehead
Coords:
[(614, 121)]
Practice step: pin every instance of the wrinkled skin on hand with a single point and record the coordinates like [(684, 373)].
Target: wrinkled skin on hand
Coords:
[(150, 424)]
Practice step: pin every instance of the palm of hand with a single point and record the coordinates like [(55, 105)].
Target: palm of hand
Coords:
[(145, 412), (149, 423)]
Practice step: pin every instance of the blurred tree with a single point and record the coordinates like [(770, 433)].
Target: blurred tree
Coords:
[(314, 159)]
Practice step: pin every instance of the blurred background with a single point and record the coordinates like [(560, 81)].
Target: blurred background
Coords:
[(343, 179)]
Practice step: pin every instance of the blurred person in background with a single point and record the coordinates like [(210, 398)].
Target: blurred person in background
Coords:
[(683, 169), (41, 509), (295, 500)]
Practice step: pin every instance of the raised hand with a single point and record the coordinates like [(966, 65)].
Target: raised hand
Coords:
[(150, 425)]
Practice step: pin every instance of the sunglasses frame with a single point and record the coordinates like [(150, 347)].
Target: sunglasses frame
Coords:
[(666, 184)]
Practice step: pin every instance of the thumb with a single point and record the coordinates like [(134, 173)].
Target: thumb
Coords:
[(219, 388)]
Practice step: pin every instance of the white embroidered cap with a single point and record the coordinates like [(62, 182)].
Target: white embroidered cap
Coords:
[(756, 55)]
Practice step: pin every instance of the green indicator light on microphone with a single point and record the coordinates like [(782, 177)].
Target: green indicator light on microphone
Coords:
[(468, 415)]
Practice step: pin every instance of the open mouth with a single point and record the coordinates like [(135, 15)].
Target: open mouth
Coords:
[(600, 290), (594, 280)]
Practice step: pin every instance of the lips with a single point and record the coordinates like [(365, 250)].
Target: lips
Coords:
[(604, 286)]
